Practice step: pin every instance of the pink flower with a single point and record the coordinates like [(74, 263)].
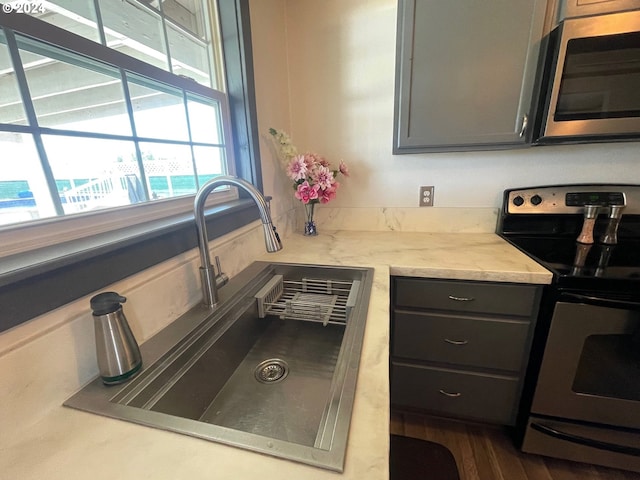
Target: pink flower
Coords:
[(313, 160), (297, 168), (323, 177), (343, 169), (328, 194), (314, 179), (322, 161), (306, 192)]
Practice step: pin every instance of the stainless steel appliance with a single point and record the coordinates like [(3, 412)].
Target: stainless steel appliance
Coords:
[(590, 80), (582, 394)]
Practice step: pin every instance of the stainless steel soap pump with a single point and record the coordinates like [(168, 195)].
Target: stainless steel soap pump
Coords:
[(118, 353)]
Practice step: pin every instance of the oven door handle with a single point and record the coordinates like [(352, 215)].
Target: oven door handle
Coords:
[(602, 302), (589, 442)]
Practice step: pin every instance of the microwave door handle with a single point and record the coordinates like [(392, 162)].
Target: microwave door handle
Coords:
[(602, 302)]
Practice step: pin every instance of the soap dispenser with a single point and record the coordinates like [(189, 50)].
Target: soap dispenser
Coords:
[(118, 353)]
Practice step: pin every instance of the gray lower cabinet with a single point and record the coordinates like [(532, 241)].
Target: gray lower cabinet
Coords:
[(465, 73), (460, 348)]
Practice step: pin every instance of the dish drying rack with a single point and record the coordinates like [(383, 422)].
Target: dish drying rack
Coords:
[(310, 299)]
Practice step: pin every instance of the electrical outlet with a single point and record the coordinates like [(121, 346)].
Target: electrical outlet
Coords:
[(426, 196)]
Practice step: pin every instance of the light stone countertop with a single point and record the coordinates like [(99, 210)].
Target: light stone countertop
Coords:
[(69, 444), (461, 256)]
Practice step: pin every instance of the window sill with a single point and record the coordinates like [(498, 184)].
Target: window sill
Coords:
[(38, 281)]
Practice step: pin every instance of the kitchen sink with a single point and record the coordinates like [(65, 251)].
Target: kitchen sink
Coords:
[(272, 369)]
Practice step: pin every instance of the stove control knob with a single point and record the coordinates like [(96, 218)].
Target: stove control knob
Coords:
[(518, 201), (536, 200)]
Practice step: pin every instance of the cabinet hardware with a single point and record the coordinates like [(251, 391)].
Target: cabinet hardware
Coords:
[(447, 394), (456, 342), (461, 299), (525, 123)]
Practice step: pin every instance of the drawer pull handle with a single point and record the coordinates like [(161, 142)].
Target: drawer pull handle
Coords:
[(447, 394), (456, 342), (461, 299)]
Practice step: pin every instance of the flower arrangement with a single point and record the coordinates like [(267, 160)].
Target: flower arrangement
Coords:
[(314, 181)]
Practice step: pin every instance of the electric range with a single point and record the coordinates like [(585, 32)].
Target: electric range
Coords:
[(582, 390)]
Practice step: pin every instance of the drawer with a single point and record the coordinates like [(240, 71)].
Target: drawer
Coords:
[(455, 393), (454, 295), (460, 340)]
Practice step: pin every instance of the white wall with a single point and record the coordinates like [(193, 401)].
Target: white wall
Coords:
[(271, 75), (325, 71)]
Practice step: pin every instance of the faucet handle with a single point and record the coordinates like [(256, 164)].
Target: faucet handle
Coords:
[(221, 278)]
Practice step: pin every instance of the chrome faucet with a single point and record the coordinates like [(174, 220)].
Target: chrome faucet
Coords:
[(209, 280)]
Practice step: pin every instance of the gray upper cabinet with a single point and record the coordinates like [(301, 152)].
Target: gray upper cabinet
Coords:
[(465, 73)]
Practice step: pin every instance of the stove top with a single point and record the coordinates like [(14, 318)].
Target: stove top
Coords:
[(575, 264), (545, 223)]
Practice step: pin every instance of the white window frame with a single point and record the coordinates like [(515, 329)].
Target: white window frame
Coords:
[(38, 234)]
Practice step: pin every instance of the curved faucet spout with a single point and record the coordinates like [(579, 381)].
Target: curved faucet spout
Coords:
[(272, 241)]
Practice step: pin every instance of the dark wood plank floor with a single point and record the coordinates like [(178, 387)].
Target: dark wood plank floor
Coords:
[(488, 453)]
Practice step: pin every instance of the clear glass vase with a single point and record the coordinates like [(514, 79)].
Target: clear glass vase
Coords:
[(309, 225)]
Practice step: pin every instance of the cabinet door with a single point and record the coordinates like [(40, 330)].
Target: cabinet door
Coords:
[(465, 73), (456, 393), (457, 340), (466, 296)]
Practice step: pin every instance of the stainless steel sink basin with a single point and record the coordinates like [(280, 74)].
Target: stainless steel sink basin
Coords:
[(273, 369)]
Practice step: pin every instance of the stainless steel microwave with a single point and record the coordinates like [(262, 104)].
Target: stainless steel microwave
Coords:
[(590, 86)]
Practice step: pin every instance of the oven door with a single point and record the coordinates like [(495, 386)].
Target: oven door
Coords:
[(591, 365)]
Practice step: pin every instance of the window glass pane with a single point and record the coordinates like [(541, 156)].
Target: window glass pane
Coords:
[(204, 120), (189, 14), (209, 162), (189, 56), (169, 169), (136, 30), (77, 16), (11, 110), (158, 111), (24, 194), (85, 96), (72, 92), (92, 173)]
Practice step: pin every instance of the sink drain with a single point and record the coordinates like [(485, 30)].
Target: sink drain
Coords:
[(271, 371)]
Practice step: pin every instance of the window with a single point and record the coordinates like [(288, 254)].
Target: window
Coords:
[(137, 28), (58, 139), (99, 129)]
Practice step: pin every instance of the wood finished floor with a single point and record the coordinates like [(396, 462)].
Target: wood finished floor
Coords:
[(487, 453)]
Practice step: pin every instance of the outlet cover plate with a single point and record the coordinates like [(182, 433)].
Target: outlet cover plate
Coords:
[(426, 196)]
